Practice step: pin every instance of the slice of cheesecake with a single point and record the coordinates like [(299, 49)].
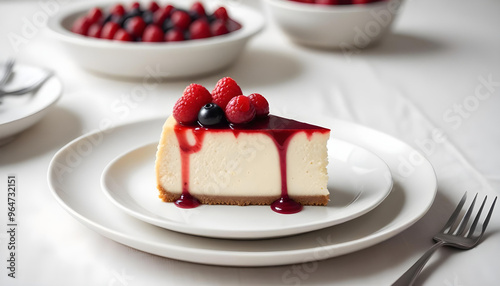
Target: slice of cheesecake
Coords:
[(223, 147), (270, 159)]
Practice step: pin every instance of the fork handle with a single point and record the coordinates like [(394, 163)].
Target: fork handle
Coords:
[(411, 274)]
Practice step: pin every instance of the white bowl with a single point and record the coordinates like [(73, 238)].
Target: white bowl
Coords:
[(341, 27), (165, 60)]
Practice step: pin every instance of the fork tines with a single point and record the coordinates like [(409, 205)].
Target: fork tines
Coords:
[(462, 229)]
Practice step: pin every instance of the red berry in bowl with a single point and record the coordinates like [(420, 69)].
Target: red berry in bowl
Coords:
[(169, 9), (326, 2), (122, 35), (187, 107), (81, 26), (95, 30), (225, 89), (181, 19), (152, 33), (221, 13), (135, 5), (162, 14), (260, 104), (118, 10), (200, 29), (198, 8), (135, 26), (333, 2), (357, 2), (109, 29), (218, 27), (194, 23), (174, 35), (94, 15), (153, 6), (240, 110)]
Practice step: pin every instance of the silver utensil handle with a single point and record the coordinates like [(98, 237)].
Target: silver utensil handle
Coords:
[(411, 274)]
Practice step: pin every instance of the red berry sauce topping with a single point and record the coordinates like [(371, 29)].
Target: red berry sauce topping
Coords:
[(172, 24), (198, 110)]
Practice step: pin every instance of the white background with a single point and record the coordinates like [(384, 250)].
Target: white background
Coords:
[(436, 57)]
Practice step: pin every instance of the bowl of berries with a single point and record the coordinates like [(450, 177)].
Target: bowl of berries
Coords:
[(147, 39), (334, 24)]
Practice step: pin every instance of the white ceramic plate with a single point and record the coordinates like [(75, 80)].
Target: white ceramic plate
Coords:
[(359, 181), (74, 177), (152, 60), (20, 112)]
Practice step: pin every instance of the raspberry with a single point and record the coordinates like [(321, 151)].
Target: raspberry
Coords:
[(94, 15), (153, 6), (152, 33), (221, 13), (135, 5), (218, 27), (118, 10), (181, 19), (326, 2), (122, 35), (95, 30), (81, 26), (174, 35), (135, 26), (161, 15), (109, 29), (260, 103), (333, 2), (186, 108), (225, 89), (240, 110), (200, 29), (363, 1), (198, 8)]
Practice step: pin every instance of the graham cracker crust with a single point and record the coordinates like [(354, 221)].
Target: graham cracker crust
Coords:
[(320, 200)]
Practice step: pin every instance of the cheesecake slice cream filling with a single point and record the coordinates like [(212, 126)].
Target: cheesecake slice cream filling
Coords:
[(244, 167)]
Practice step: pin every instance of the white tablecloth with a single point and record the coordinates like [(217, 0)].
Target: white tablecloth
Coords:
[(438, 72)]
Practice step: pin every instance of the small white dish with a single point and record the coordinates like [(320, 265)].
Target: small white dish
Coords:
[(345, 27), (359, 181), (155, 60), (75, 185), (19, 112)]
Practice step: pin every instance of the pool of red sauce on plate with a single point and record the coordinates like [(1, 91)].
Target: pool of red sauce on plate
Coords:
[(281, 130)]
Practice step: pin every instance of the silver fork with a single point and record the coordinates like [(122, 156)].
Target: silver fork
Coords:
[(461, 237), (7, 71), (29, 88)]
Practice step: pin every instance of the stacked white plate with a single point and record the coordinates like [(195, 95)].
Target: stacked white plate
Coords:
[(19, 112), (378, 185)]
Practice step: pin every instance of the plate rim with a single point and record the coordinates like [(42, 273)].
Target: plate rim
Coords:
[(225, 257), (242, 234)]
